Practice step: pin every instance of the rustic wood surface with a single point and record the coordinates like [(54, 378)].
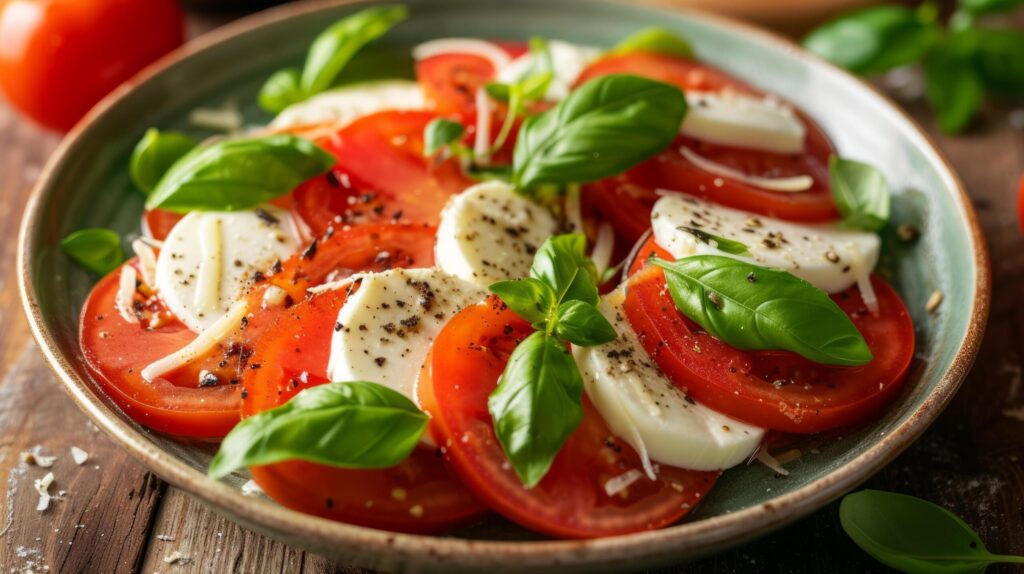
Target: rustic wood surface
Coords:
[(117, 517)]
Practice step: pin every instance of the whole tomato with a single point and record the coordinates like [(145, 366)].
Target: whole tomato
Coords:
[(59, 57)]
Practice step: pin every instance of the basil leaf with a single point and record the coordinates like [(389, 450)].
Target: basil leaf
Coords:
[(603, 128), (281, 90), (656, 40), (490, 173), (583, 325), (96, 249), (155, 153), (874, 40), (860, 192), (530, 298), (237, 174), (999, 57), (562, 264), (440, 133), (953, 86), (776, 311), (979, 7), (913, 535), (336, 45), (720, 243), (537, 405), (347, 425)]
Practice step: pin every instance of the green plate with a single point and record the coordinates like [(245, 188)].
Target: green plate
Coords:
[(86, 184)]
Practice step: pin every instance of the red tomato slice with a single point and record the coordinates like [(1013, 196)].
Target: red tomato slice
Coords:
[(1020, 203), (117, 350), (381, 175), (465, 362), (158, 223), (417, 495), (451, 81), (774, 389), (626, 200)]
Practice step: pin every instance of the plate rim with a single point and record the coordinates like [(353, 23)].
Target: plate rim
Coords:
[(696, 537)]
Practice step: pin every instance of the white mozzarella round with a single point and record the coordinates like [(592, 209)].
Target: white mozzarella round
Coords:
[(210, 257), (385, 329), (342, 106), (654, 416), (490, 233), (824, 255), (568, 62), (742, 120)]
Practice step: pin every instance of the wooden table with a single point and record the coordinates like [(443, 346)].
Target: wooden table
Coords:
[(117, 517)]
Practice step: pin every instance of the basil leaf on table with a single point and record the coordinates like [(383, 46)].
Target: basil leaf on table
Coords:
[(440, 133), (914, 535), (348, 425), (96, 249), (602, 128), (722, 244), (237, 174), (530, 298), (999, 57), (860, 192), (656, 40), (561, 262), (537, 405), (874, 40), (155, 153), (583, 324), (953, 86), (281, 90), (775, 311)]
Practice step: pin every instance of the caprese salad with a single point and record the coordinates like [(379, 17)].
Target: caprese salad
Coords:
[(568, 284)]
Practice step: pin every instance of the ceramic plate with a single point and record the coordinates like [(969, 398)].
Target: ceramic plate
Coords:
[(86, 184)]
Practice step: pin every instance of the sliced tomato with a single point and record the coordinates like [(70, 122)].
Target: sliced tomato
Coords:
[(451, 81), (181, 402), (417, 495), (570, 501), (626, 200), (158, 223), (381, 175), (774, 389), (1020, 203)]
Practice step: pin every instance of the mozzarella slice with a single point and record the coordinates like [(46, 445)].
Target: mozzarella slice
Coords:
[(654, 416), (210, 257), (824, 255), (343, 106), (489, 233), (567, 62), (742, 120), (385, 329)]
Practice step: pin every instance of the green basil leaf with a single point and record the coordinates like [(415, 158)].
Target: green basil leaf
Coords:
[(775, 311), (656, 40), (490, 173), (530, 298), (583, 325), (155, 153), (281, 90), (953, 86), (336, 45), (722, 244), (240, 173), (440, 133), (914, 535), (860, 192), (96, 249), (603, 128), (562, 264), (537, 405), (979, 7), (874, 40), (347, 425), (999, 57)]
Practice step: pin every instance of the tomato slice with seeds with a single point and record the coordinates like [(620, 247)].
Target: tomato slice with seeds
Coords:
[(626, 200), (462, 370), (417, 495), (184, 402), (381, 176), (451, 81), (774, 389)]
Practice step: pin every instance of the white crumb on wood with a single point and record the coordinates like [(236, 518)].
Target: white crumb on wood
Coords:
[(79, 455), (43, 488), (177, 558), (165, 537), (37, 458)]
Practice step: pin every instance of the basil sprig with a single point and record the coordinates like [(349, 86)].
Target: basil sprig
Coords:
[(441, 133), (860, 193), (237, 174), (328, 55), (656, 40), (604, 127), (756, 308), (96, 249), (533, 84), (155, 153), (348, 425), (538, 401), (914, 535)]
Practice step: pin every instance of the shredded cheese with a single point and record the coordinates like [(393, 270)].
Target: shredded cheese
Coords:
[(482, 143), (573, 212), (785, 184), (207, 296), (43, 488), (488, 50), (604, 244), (199, 346), (126, 293), (863, 275), (147, 260), (617, 484), (227, 119)]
